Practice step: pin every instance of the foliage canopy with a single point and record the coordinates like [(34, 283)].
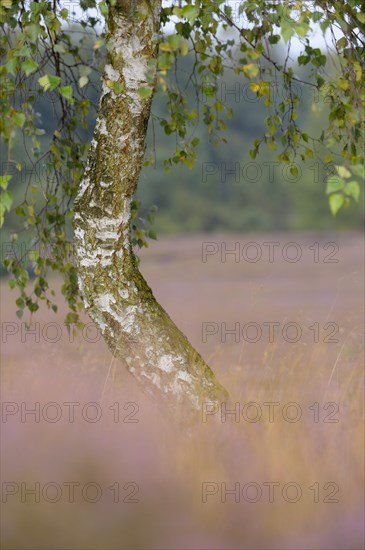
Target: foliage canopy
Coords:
[(49, 51)]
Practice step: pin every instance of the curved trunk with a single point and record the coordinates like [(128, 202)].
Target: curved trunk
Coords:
[(136, 328)]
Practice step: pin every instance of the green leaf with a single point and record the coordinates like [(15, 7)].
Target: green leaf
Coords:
[(302, 29), (118, 87), (334, 184), (191, 13), (11, 65), (293, 170), (352, 189), (303, 59), (33, 31), (2, 213), (343, 172), (320, 60), (4, 181), (287, 32), (317, 15), (29, 66), (66, 92), (342, 43), (324, 25), (251, 70), (19, 119), (24, 51), (177, 11), (71, 318), (12, 283), (49, 82), (174, 41), (7, 200), (164, 61), (184, 48), (336, 201), (32, 306), (272, 145), (145, 92), (59, 48), (83, 80), (103, 9), (358, 170)]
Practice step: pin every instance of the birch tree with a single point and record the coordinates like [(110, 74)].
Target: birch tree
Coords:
[(136, 328)]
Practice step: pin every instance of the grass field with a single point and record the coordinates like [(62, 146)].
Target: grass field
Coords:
[(284, 470)]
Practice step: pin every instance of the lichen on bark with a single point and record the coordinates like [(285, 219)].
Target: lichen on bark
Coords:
[(136, 328)]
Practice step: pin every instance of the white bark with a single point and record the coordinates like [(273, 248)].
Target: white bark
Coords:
[(136, 328)]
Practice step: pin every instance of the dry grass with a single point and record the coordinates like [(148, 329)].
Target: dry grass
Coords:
[(168, 463)]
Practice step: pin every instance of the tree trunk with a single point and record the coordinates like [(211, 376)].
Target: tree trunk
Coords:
[(136, 328)]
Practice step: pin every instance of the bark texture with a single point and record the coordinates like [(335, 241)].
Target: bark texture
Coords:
[(138, 331)]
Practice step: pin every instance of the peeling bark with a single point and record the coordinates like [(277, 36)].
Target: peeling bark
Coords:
[(136, 328)]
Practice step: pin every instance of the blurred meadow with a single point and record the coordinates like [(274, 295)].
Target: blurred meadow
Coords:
[(128, 474)]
